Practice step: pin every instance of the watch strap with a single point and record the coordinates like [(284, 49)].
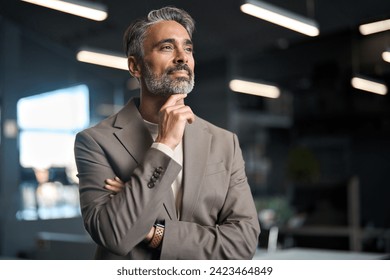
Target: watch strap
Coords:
[(156, 240)]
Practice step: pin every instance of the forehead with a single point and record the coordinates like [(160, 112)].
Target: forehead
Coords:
[(166, 30)]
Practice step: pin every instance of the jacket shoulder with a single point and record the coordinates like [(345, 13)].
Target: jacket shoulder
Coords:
[(103, 125), (214, 129)]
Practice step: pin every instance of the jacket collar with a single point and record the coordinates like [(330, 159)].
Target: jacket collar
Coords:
[(133, 133)]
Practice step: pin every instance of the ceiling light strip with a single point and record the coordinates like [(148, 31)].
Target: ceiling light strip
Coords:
[(281, 17), (84, 9), (253, 88), (386, 56), (374, 27), (369, 85), (102, 59)]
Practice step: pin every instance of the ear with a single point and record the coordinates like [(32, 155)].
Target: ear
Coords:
[(134, 67)]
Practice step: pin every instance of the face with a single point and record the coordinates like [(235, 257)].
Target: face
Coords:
[(168, 64)]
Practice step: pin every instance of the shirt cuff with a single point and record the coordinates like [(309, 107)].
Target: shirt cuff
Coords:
[(163, 148)]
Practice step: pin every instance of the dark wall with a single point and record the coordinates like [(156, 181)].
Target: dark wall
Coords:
[(370, 159)]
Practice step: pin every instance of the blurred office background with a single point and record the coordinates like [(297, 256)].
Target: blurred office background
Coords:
[(316, 146)]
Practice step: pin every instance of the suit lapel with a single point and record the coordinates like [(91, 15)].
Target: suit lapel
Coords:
[(197, 142), (136, 139), (133, 135)]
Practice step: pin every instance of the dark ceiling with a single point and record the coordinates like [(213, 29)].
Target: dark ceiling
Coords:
[(221, 26)]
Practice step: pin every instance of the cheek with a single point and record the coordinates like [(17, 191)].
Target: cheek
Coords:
[(152, 68), (191, 61), (191, 64)]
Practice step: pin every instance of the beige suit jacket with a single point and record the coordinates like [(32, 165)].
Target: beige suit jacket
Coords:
[(218, 217)]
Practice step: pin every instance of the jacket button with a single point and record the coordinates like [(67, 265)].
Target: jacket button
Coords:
[(150, 185), (159, 169)]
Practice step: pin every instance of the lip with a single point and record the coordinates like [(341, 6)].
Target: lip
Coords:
[(180, 72)]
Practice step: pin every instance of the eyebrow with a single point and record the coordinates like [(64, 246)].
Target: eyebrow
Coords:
[(172, 41)]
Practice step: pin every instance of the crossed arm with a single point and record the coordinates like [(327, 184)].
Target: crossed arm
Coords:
[(116, 185)]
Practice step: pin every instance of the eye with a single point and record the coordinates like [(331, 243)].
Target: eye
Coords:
[(189, 49), (166, 47)]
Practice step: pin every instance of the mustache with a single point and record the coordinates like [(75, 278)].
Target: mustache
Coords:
[(180, 67)]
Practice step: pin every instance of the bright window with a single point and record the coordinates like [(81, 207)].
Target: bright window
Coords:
[(48, 123)]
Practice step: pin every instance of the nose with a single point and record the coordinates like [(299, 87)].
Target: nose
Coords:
[(181, 57)]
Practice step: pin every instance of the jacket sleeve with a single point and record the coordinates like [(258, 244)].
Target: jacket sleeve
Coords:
[(235, 236), (120, 222)]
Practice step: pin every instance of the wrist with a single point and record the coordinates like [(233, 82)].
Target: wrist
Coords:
[(163, 148), (158, 235), (165, 142), (150, 234)]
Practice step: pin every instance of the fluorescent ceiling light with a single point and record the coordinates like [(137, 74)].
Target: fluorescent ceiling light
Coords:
[(375, 27), (102, 58), (281, 17), (79, 8), (369, 85), (386, 56), (254, 88)]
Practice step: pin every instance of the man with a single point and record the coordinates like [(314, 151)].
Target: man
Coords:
[(178, 188)]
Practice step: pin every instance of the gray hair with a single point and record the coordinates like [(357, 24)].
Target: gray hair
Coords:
[(135, 34)]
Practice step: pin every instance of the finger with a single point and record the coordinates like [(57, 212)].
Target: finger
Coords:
[(178, 109), (173, 99), (185, 113), (119, 180), (191, 118), (112, 188), (114, 183)]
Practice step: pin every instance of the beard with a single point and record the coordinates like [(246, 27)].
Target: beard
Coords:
[(165, 85)]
